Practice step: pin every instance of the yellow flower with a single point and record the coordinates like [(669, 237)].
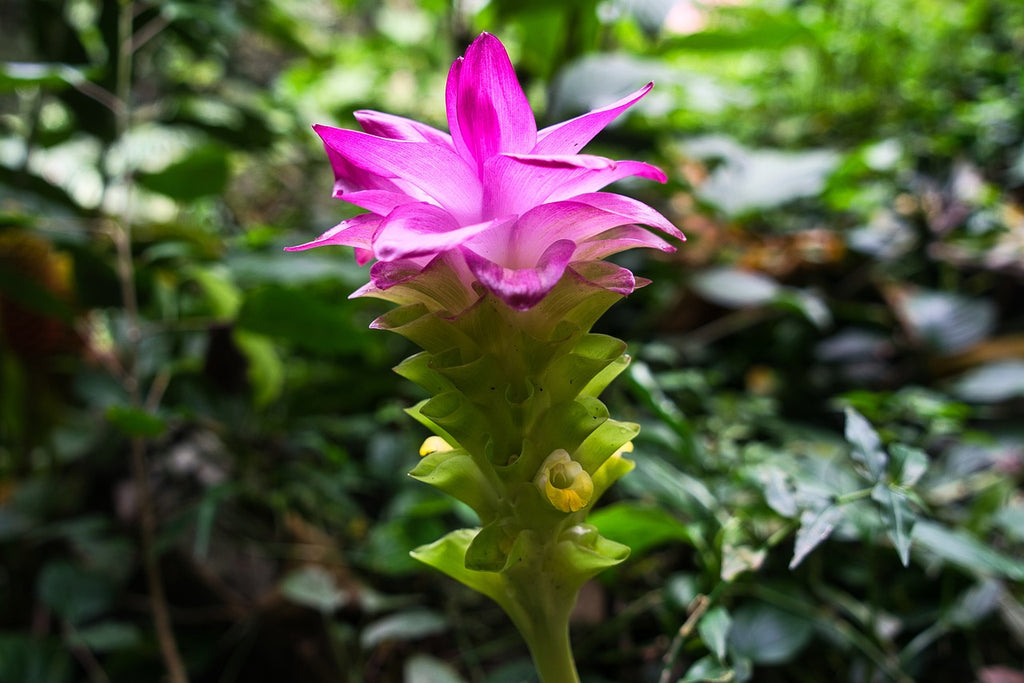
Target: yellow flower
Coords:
[(564, 482), (434, 444)]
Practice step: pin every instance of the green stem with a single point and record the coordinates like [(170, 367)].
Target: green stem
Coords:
[(552, 652), (541, 605)]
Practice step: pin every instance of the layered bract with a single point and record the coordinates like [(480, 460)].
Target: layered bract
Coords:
[(495, 204)]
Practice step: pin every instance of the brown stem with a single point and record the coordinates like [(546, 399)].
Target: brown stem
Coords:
[(122, 235)]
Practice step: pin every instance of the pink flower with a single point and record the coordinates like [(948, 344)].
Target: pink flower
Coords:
[(496, 201)]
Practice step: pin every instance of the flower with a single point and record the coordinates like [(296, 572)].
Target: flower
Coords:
[(564, 482), (434, 444), (495, 201)]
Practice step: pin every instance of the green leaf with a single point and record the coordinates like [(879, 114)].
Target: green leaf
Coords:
[(106, 636), (815, 527), (639, 526), (48, 75), (975, 603), (713, 628), (135, 422), (991, 383), (410, 625), (314, 587), (25, 659), (768, 635), (966, 551), (426, 669), (73, 593), (898, 517), (264, 367), (708, 670), (735, 288), (908, 464), (202, 173), (867, 446), (224, 295)]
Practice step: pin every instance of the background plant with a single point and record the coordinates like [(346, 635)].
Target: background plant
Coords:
[(855, 244)]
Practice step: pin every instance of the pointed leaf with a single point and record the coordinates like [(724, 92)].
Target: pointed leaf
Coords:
[(897, 516), (867, 447), (815, 527), (713, 628)]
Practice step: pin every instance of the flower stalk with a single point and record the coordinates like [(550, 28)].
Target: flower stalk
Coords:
[(491, 239)]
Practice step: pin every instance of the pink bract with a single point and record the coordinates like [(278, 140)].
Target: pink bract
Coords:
[(496, 202)]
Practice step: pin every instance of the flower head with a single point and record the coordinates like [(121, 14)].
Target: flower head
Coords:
[(499, 202), (564, 482)]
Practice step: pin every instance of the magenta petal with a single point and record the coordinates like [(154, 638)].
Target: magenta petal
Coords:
[(350, 178), (522, 288), (421, 230), (570, 136), (378, 201), (545, 224), (491, 110), (570, 161), (400, 128), (363, 256), (608, 276), (435, 169), (355, 232), (515, 183), (620, 239), (586, 182), (631, 209)]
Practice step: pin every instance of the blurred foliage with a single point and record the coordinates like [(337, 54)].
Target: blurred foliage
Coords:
[(829, 373)]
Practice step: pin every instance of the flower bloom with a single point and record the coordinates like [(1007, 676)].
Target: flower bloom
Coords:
[(496, 201), (564, 482), (434, 444)]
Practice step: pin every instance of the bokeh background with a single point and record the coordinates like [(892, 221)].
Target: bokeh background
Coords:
[(850, 174)]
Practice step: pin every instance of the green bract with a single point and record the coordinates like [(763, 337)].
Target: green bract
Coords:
[(509, 388)]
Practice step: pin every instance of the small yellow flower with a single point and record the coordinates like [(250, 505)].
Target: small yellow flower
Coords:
[(564, 482), (434, 444)]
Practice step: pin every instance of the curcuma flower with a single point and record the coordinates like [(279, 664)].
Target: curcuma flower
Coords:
[(564, 482), (495, 202)]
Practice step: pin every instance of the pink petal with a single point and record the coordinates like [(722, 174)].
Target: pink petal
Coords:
[(608, 276), (619, 239), (451, 100), (400, 128), (435, 169), (422, 229), (584, 183), (629, 208), (522, 288), (444, 282), (381, 202), (492, 114), (350, 178), (543, 225), (579, 221), (355, 232), (363, 256), (570, 136), (515, 183)]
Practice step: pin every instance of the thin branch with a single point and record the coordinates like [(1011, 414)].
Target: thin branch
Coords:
[(122, 237), (699, 606), (152, 28)]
